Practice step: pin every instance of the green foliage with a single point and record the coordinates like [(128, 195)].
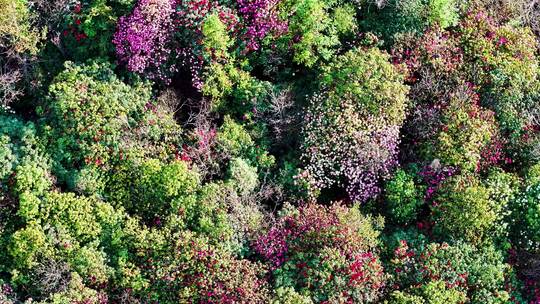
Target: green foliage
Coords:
[(428, 273), (372, 84), (509, 74), (464, 210), (525, 218), (64, 228), (315, 27), (16, 30), (87, 114), (90, 29), (226, 79), (466, 130), (215, 41), (232, 89), (397, 18), (153, 189), (184, 267), (344, 19), (404, 197), (22, 159), (243, 177), (26, 243), (289, 296), (234, 140), (76, 292), (434, 292)]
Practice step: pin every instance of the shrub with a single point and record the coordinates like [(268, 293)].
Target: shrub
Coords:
[(425, 270), (289, 296), (88, 113), (465, 130), (153, 189), (66, 230), (313, 31), (463, 210), (20, 39), (16, 30), (404, 197), (159, 38), (89, 27), (260, 20), (397, 18), (368, 119), (243, 222), (495, 60), (503, 188), (434, 292), (324, 253), (243, 177), (509, 67), (25, 167), (143, 38), (188, 268), (77, 292), (234, 140), (525, 218)]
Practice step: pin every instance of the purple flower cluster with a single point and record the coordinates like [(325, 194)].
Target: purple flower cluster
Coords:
[(371, 161), (273, 246), (142, 38), (260, 19), (434, 177), (160, 36), (360, 159)]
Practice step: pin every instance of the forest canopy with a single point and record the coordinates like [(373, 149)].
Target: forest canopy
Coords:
[(270, 151)]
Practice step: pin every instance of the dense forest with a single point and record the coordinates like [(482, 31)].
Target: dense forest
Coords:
[(270, 151)]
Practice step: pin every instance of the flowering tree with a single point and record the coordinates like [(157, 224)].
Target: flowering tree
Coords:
[(461, 271), (261, 18), (143, 38), (326, 253), (367, 119)]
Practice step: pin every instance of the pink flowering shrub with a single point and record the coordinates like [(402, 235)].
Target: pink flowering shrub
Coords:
[(327, 253), (261, 19), (143, 38), (368, 122), (477, 273), (173, 265), (198, 273), (161, 36), (497, 63)]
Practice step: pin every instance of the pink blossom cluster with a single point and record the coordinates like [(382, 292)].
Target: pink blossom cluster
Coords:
[(365, 266), (143, 38), (224, 278), (160, 36), (260, 19), (408, 260), (357, 159), (370, 162), (335, 238), (434, 177), (312, 223), (493, 155)]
